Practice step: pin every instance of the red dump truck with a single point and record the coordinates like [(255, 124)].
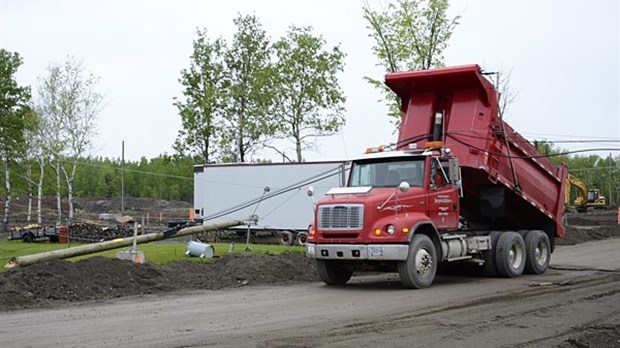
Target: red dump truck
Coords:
[(460, 185)]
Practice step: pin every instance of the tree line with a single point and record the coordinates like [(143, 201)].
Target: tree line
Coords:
[(168, 177)]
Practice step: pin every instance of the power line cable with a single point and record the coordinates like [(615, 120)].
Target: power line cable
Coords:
[(316, 178)]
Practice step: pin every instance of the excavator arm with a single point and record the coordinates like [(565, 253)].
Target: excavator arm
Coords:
[(582, 191)]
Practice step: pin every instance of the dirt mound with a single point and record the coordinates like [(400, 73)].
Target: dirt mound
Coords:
[(56, 282), (582, 234)]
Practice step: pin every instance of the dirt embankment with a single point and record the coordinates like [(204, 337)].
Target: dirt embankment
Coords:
[(584, 227), (99, 278)]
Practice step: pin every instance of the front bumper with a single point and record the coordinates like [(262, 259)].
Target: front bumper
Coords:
[(386, 252)]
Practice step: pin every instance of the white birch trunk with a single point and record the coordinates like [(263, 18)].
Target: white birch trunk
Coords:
[(69, 180), (29, 182), (58, 199), (41, 162), (7, 202)]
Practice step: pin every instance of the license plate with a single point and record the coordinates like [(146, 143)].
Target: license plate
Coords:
[(375, 251)]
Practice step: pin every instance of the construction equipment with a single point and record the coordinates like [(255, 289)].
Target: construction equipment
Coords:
[(586, 198), (459, 186)]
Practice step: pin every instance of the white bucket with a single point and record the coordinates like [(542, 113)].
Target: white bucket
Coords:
[(199, 249)]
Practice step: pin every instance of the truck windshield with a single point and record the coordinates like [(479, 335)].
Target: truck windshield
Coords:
[(387, 172)]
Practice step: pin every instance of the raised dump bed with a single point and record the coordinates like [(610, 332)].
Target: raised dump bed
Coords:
[(507, 183)]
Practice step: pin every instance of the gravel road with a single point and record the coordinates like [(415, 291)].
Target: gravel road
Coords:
[(575, 304)]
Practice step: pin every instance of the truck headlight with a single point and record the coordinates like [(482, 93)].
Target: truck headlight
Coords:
[(391, 229)]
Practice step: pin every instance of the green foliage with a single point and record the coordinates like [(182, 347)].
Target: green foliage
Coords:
[(597, 172), (309, 101), (408, 35), (164, 177), (249, 75), (241, 96), (201, 111), (15, 114)]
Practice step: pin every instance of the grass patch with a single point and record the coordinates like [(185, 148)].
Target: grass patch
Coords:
[(156, 252)]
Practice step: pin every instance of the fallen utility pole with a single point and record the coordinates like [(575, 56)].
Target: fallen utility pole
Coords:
[(176, 232)]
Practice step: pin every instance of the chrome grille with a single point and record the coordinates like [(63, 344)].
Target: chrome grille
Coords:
[(341, 217)]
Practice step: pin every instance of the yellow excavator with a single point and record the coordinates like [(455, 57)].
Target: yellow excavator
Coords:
[(586, 198)]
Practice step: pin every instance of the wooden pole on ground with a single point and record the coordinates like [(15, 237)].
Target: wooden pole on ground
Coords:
[(27, 260)]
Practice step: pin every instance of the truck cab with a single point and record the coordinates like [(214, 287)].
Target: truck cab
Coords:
[(389, 195)]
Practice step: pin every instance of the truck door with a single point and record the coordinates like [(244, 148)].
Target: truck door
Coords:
[(443, 198)]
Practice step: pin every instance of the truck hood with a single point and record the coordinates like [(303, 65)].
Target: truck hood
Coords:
[(369, 195)]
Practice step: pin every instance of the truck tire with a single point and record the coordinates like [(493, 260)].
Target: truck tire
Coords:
[(333, 272), (510, 255), (302, 238), (286, 238), (538, 250), (418, 271), (489, 268)]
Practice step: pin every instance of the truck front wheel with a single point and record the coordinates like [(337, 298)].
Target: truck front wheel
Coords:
[(333, 272), (510, 255), (538, 249), (418, 271)]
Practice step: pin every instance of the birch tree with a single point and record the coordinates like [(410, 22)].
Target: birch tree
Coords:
[(69, 103), (32, 153)]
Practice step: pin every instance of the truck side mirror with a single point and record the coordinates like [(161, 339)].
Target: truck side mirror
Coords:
[(454, 172), (310, 191), (403, 187)]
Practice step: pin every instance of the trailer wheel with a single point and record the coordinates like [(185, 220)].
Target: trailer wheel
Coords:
[(302, 238), (333, 272), (538, 249), (418, 271), (510, 255), (286, 238), (28, 238), (490, 265)]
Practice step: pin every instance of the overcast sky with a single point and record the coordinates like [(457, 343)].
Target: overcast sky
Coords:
[(564, 57)]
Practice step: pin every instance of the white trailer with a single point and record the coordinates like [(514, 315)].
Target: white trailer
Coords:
[(274, 192)]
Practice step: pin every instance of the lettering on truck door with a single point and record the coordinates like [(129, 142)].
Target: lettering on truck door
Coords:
[(443, 198)]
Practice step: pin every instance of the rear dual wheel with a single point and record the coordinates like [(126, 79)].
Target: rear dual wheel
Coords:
[(515, 253), (538, 250), (490, 265), (510, 255)]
